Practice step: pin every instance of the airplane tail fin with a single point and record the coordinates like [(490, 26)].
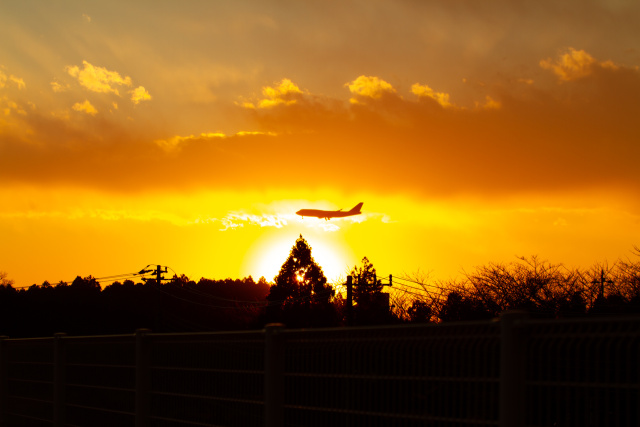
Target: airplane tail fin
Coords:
[(356, 208)]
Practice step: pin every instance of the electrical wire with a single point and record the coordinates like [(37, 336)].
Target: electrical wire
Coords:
[(117, 277), (199, 293), (257, 304), (409, 292), (404, 279), (143, 272)]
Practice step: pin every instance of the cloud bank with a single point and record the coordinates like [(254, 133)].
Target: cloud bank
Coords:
[(578, 134)]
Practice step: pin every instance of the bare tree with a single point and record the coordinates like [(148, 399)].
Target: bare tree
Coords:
[(527, 284), (4, 281)]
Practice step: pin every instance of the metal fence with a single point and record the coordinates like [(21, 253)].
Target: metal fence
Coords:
[(515, 372), (582, 373)]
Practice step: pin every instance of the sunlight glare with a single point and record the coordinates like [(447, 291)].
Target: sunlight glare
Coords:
[(271, 250)]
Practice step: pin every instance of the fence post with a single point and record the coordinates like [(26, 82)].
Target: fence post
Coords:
[(59, 379), (4, 370), (274, 375), (349, 301), (143, 379), (512, 369)]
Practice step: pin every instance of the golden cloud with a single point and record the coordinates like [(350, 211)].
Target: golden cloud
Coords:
[(98, 79), (57, 87), (369, 87), (9, 106), (85, 107), (426, 92), (18, 81), (574, 64), (140, 94), (245, 133), (540, 139), (490, 103), (11, 78), (286, 92), (175, 142)]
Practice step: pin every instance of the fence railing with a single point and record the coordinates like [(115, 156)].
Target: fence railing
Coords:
[(512, 372)]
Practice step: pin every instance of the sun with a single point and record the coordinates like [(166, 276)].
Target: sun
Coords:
[(271, 250)]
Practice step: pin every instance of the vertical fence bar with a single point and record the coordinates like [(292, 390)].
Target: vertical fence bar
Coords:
[(274, 375), (143, 379), (512, 369), (59, 379), (3, 381), (349, 301)]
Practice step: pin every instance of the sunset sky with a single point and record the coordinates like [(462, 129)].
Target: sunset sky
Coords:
[(188, 134)]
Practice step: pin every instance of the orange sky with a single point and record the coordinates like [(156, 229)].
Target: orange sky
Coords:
[(188, 133)]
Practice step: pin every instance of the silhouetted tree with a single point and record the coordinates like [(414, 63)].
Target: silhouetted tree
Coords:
[(89, 283), (420, 312), (530, 284), (614, 303), (365, 282), (181, 280), (458, 307), (300, 296), (371, 305), (4, 281), (573, 306), (414, 298), (9, 305)]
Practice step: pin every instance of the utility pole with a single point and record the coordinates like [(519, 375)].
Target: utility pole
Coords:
[(350, 296), (156, 300), (158, 272), (386, 301)]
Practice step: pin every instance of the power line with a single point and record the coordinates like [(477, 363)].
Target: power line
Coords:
[(158, 271), (424, 285), (122, 276), (409, 292)]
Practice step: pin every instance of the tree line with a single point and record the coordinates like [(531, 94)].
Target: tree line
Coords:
[(544, 289), (301, 297), (84, 307)]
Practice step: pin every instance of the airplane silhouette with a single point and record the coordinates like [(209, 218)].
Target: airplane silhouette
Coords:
[(327, 215)]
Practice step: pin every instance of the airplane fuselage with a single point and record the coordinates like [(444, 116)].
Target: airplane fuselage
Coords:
[(319, 213)]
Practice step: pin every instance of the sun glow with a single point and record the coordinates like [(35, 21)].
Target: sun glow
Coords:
[(271, 250)]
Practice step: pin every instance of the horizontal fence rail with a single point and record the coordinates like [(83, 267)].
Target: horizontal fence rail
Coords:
[(583, 373), (512, 372), (443, 375)]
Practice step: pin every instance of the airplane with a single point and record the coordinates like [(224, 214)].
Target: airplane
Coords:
[(327, 215)]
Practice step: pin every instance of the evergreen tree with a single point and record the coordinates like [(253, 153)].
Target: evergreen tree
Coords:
[(301, 295), (372, 306), (365, 283)]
